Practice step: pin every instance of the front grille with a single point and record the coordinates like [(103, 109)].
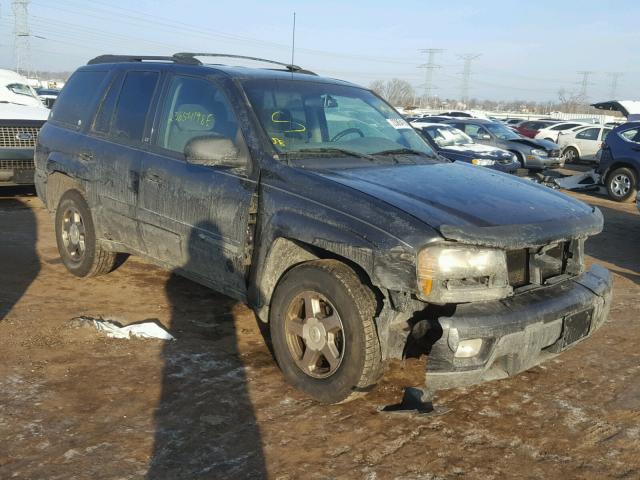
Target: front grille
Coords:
[(504, 161), (10, 136), (536, 265), (17, 165), (554, 153), (518, 267)]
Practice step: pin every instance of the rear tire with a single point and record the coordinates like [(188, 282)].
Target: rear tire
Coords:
[(571, 155), (622, 184), (323, 332), (76, 239)]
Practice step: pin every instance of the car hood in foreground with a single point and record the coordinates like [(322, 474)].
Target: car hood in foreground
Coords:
[(475, 205)]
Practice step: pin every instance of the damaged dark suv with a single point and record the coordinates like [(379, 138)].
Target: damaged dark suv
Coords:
[(313, 201)]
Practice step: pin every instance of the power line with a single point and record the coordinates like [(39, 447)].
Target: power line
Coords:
[(466, 74), (613, 89), (429, 67)]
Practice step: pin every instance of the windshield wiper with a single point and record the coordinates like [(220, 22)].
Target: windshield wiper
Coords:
[(331, 150), (403, 151)]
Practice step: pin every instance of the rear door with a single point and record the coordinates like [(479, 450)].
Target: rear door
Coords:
[(197, 218), (587, 142), (118, 142)]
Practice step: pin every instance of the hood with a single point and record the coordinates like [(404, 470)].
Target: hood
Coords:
[(10, 111), (478, 149), (475, 205), (536, 143)]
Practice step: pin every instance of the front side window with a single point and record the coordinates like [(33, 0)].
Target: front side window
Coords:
[(133, 105), (588, 134), (310, 117), (194, 107)]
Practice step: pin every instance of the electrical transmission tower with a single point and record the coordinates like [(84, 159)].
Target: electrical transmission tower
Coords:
[(614, 76), (429, 67), (22, 51), (466, 75), (584, 84)]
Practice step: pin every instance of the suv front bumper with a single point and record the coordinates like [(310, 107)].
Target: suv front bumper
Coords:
[(519, 332)]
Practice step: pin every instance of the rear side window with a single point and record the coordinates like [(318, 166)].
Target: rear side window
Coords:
[(76, 96), (589, 134), (102, 122), (133, 105)]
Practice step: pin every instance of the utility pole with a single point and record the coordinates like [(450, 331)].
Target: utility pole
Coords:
[(22, 50), (614, 76), (429, 67), (584, 84), (466, 75)]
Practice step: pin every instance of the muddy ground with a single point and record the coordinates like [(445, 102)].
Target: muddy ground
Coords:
[(77, 405)]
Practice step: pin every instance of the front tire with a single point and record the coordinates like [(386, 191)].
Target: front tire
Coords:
[(622, 184), (76, 238), (571, 155), (323, 332)]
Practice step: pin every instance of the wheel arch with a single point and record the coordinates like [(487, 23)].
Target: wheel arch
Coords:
[(57, 184)]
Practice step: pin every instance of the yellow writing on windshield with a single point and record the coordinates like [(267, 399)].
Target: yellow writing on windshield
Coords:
[(277, 141), (276, 117)]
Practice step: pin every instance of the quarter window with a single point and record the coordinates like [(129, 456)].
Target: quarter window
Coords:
[(102, 121), (133, 105), (194, 107), (71, 106), (632, 135)]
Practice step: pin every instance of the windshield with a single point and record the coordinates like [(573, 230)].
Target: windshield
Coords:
[(22, 89), (502, 132), (447, 136), (306, 117)]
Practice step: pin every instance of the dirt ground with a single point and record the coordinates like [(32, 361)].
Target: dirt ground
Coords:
[(212, 405)]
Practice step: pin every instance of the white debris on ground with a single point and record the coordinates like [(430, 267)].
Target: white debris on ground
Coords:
[(115, 330)]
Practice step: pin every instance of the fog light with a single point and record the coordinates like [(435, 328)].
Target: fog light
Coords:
[(468, 348)]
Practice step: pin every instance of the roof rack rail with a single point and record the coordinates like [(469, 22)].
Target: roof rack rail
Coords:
[(141, 58), (288, 66)]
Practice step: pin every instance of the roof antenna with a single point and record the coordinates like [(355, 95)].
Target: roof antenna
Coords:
[(293, 41)]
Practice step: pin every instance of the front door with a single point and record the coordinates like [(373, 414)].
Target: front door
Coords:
[(197, 218), (587, 142)]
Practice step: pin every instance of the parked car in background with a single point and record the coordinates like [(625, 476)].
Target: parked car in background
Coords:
[(19, 127), (15, 89), (530, 128), (552, 132), (432, 119), (582, 143), (530, 153), (456, 145), (620, 161), (48, 96), (512, 121), (315, 202)]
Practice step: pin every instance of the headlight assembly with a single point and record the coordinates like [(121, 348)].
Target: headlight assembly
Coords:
[(539, 152), (458, 274), (483, 162)]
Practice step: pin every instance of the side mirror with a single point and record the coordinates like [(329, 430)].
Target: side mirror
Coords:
[(211, 151)]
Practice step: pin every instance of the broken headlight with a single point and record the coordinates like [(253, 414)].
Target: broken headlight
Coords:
[(458, 274)]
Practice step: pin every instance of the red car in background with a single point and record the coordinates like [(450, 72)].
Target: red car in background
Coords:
[(530, 128)]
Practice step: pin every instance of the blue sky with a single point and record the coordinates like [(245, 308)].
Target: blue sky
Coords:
[(529, 49)]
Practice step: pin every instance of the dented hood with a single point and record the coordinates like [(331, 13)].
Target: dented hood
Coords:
[(475, 205)]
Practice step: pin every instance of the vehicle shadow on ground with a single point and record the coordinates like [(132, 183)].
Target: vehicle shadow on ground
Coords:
[(623, 229), (205, 425), (19, 262)]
